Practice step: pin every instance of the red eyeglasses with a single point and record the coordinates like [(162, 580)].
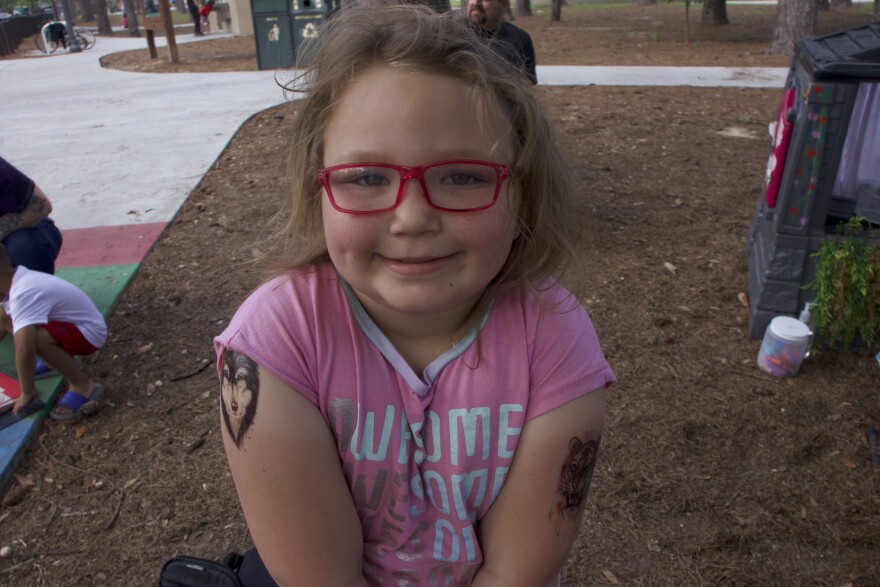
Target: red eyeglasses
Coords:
[(452, 186)]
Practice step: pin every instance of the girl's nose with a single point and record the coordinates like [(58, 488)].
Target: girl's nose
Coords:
[(414, 214)]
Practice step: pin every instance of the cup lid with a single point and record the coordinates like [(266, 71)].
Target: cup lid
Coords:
[(790, 329)]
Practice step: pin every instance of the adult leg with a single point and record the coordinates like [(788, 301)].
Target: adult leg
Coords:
[(36, 248), (196, 18)]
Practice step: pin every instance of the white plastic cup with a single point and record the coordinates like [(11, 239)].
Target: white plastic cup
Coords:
[(785, 346)]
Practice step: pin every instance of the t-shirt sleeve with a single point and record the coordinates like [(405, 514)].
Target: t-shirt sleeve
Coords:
[(566, 359), (28, 309), (274, 328)]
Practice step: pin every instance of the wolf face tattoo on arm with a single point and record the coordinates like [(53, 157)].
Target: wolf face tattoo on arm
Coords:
[(239, 390), (575, 477)]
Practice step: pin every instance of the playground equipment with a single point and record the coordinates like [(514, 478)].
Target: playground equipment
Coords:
[(823, 168)]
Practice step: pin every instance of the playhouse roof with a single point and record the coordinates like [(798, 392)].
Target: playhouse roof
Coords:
[(853, 53)]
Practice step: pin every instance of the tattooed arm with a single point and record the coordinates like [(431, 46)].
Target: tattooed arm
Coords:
[(529, 530), (37, 208), (286, 470)]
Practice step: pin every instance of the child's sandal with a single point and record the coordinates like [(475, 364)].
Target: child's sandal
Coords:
[(79, 406)]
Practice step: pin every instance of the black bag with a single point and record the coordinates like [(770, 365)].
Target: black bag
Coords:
[(188, 571)]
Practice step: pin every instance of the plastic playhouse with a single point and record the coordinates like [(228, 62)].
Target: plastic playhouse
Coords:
[(823, 167)]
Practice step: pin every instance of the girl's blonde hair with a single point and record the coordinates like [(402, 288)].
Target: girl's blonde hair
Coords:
[(415, 38)]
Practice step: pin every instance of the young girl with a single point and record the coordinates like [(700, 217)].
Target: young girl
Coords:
[(413, 400)]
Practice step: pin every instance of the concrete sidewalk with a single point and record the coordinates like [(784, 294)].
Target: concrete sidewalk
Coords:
[(119, 152)]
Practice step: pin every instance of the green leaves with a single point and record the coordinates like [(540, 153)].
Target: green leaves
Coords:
[(846, 308)]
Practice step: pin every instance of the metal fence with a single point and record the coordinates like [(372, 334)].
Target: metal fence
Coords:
[(14, 30)]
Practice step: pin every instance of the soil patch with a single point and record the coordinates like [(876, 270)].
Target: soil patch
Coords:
[(711, 472)]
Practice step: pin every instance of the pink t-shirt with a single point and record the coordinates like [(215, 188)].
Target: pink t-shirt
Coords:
[(426, 454)]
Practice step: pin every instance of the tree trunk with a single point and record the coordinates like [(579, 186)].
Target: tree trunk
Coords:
[(841, 3), (714, 12), (687, 21), (104, 26), (556, 10), (87, 8), (795, 20), (524, 8), (823, 5), (131, 15), (439, 6)]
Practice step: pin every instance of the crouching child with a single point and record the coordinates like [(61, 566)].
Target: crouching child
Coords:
[(56, 321)]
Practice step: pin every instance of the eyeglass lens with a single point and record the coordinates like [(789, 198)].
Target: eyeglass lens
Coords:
[(456, 186)]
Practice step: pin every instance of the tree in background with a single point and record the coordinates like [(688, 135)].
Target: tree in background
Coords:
[(524, 8), (87, 10), (714, 12), (795, 20), (131, 15), (441, 6), (103, 17)]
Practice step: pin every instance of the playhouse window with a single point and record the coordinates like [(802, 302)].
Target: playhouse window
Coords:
[(859, 170)]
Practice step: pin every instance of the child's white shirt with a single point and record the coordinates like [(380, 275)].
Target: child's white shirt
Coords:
[(39, 298)]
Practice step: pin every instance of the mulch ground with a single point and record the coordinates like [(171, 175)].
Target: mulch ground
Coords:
[(711, 472)]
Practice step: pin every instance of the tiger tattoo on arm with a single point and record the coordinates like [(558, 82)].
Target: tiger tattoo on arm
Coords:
[(575, 477)]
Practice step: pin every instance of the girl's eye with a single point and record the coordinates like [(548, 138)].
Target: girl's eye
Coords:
[(371, 180), (465, 179), (362, 178), (465, 176)]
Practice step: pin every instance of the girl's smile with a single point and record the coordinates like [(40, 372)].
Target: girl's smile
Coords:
[(414, 260)]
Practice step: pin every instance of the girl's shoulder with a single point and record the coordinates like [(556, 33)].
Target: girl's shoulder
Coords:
[(302, 284), (541, 297), (299, 294)]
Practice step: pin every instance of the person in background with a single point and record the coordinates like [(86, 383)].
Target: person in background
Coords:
[(486, 17), (414, 399), (53, 319), (204, 11), (29, 235), (196, 18)]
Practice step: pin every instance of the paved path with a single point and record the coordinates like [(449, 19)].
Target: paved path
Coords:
[(119, 152)]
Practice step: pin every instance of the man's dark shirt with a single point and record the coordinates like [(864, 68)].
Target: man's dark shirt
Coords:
[(16, 188), (514, 44)]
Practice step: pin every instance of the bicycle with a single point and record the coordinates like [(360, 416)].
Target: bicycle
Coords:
[(54, 34)]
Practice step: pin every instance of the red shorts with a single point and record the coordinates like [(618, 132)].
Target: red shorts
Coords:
[(70, 338)]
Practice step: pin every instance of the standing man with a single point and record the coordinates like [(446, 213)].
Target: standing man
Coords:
[(196, 17), (29, 235), (486, 17)]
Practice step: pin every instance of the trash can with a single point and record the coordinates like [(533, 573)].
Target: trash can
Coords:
[(283, 28), (307, 15)]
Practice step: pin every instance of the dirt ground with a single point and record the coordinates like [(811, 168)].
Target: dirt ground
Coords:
[(712, 473)]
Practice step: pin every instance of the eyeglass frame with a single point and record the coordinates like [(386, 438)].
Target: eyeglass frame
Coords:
[(417, 172)]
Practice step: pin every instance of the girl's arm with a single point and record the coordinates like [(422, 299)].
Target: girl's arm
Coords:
[(529, 530), (289, 480)]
